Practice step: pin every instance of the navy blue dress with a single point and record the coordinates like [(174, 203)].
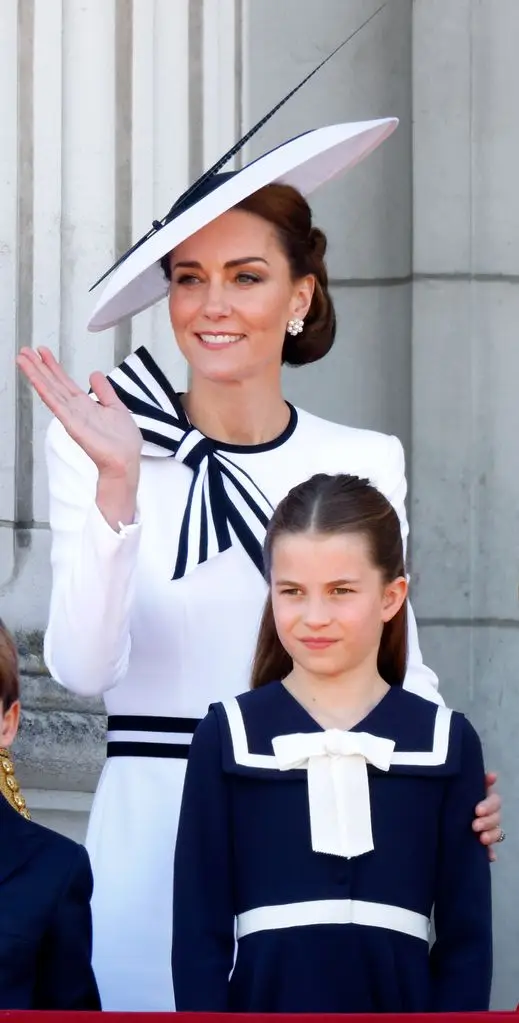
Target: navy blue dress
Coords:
[(319, 932)]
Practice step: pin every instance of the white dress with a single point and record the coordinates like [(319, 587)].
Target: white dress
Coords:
[(164, 649)]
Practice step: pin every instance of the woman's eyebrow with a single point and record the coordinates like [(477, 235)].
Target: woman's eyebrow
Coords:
[(193, 264)]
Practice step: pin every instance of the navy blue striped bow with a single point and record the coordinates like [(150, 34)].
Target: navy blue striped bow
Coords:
[(223, 499)]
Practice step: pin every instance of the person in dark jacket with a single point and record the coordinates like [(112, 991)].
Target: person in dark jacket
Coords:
[(45, 888)]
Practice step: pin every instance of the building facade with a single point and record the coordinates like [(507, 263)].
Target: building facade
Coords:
[(108, 109)]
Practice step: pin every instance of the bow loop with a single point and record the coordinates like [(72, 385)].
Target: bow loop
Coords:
[(338, 784), (193, 448), (224, 504), (294, 751)]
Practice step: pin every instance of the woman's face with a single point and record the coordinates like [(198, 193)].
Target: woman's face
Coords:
[(330, 602), (231, 297)]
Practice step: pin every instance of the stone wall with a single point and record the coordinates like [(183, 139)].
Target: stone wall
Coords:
[(60, 747)]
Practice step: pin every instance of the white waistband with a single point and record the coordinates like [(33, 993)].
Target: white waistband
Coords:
[(132, 735), (333, 911)]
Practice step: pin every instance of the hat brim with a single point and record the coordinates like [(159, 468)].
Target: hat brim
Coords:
[(306, 162)]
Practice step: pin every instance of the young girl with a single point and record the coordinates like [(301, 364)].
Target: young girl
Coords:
[(327, 813)]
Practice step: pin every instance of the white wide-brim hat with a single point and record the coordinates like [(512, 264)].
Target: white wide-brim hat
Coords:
[(305, 162)]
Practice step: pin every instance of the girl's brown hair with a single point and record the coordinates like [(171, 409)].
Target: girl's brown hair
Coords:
[(304, 247), (328, 505)]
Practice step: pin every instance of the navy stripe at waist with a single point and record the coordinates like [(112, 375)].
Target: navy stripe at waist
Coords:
[(149, 735), (163, 750), (151, 723)]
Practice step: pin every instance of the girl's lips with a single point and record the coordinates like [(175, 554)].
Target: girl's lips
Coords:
[(318, 644)]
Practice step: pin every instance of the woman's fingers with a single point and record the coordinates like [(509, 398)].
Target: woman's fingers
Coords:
[(51, 369), (44, 363), (52, 364), (104, 391), (59, 392), (43, 381), (48, 378), (488, 813), (104, 429), (491, 838)]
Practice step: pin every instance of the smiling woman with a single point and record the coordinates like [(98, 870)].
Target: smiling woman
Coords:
[(233, 304), (160, 503), (279, 223)]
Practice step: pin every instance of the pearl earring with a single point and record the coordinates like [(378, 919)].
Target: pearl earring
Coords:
[(295, 326)]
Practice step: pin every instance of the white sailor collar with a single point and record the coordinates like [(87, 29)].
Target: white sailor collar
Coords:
[(426, 738)]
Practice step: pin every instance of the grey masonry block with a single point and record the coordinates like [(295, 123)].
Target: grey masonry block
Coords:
[(61, 743)]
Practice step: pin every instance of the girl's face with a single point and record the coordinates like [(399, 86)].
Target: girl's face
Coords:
[(330, 602), (231, 297)]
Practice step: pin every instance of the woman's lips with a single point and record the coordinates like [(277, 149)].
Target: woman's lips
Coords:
[(219, 340)]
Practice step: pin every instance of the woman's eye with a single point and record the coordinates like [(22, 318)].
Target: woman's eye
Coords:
[(187, 279), (247, 278), (291, 592), (341, 590)]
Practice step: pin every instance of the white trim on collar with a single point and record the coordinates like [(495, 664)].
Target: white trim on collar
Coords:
[(412, 758)]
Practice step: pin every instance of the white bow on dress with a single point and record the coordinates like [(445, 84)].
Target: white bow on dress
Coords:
[(338, 786)]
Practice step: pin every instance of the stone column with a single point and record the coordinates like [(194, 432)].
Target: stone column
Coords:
[(465, 392)]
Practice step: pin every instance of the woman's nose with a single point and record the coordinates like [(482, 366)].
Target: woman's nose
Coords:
[(216, 302)]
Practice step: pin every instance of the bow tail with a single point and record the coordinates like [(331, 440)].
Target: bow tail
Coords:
[(339, 803), (246, 537), (183, 542), (247, 511), (204, 531), (322, 800), (217, 500), (354, 806)]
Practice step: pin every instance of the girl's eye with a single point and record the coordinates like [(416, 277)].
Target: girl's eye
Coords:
[(341, 590), (291, 591)]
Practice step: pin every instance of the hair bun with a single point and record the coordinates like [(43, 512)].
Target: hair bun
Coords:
[(317, 242), (304, 247)]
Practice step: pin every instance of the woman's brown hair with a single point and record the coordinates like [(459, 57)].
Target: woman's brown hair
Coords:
[(328, 505), (9, 678), (304, 246)]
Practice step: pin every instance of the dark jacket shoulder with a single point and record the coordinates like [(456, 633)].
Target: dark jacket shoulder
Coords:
[(45, 918)]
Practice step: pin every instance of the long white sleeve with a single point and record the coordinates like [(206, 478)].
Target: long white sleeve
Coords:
[(87, 642), (392, 482)]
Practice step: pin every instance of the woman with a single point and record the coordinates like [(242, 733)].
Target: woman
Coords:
[(327, 813), (157, 585)]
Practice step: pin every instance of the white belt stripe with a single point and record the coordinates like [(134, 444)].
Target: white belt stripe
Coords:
[(333, 911), (130, 735)]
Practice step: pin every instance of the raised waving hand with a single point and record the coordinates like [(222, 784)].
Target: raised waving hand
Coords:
[(104, 429)]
